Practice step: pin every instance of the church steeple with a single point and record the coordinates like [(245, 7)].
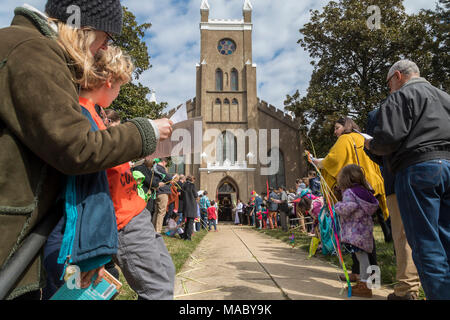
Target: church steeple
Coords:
[(247, 10), (204, 10), (247, 5), (153, 96), (204, 5)]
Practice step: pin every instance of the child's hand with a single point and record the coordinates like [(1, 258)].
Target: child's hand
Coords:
[(86, 277)]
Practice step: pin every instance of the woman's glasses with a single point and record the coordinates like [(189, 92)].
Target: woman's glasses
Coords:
[(109, 41)]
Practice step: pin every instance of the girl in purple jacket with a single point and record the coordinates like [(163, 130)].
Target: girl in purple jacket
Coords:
[(355, 212)]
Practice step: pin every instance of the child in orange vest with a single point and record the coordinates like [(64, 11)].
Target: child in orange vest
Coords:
[(150, 278)]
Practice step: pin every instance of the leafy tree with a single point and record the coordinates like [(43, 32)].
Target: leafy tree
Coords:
[(132, 101), (437, 24), (351, 62)]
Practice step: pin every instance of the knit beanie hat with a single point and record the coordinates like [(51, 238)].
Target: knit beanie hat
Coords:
[(103, 15)]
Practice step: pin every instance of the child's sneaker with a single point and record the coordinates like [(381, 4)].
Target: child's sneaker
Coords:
[(361, 290), (352, 276)]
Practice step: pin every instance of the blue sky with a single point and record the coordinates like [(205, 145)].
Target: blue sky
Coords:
[(174, 42)]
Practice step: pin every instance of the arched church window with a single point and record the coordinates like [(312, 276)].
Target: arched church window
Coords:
[(226, 148), (226, 47), (219, 80), (216, 110), (226, 110), (227, 188), (234, 80), (235, 102), (279, 179)]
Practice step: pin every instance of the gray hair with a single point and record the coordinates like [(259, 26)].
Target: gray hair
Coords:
[(406, 67)]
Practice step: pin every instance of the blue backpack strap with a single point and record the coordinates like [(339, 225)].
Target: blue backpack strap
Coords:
[(71, 215)]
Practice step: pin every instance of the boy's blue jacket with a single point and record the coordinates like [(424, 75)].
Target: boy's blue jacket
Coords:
[(258, 203), (90, 235)]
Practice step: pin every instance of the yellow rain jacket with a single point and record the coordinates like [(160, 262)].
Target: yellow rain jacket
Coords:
[(342, 154)]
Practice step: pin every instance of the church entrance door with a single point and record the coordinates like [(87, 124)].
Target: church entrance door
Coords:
[(227, 196)]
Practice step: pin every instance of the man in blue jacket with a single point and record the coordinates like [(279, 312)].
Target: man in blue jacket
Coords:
[(408, 283), (413, 132)]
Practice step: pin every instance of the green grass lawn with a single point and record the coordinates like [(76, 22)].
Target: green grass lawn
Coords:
[(385, 251), (180, 251)]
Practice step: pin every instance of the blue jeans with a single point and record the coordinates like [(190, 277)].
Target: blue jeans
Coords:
[(423, 192), (212, 223), (53, 270), (204, 218)]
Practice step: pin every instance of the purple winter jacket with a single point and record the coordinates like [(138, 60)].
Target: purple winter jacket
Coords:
[(355, 212)]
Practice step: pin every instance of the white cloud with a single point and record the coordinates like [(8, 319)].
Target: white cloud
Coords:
[(414, 6), (174, 42)]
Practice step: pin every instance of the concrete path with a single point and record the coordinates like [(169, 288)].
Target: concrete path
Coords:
[(238, 263)]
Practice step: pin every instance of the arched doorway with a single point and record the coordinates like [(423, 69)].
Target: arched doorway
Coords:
[(227, 194)]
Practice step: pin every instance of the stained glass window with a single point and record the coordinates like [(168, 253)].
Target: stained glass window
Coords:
[(226, 47)]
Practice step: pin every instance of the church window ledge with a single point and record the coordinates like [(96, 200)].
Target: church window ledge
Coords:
[(233, 92), (226, 122), (227, 167)]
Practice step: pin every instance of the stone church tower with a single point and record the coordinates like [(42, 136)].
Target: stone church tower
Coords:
[(226, 98)]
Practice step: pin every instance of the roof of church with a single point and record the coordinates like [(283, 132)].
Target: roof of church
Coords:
[(263, 106)]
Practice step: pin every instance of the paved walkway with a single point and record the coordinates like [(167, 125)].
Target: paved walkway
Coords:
[(238, 263)]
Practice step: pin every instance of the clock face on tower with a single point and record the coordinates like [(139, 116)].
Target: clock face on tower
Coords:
[(226, 47)]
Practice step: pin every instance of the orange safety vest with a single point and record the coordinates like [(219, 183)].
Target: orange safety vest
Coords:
[(122, 186)]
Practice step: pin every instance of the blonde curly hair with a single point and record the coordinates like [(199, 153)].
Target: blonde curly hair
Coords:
[(113, 65), (93, 71)]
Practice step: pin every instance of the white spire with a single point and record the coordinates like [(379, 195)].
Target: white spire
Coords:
[(204, 5), (248, 5), (153, 97)]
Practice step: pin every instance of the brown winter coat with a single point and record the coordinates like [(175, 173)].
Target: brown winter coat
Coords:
[(44, 136)]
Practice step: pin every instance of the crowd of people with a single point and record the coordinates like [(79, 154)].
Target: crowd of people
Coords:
[(176, 206), (72, 159), (277, 209)]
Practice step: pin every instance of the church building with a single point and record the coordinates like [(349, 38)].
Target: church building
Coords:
[(226, 99)]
